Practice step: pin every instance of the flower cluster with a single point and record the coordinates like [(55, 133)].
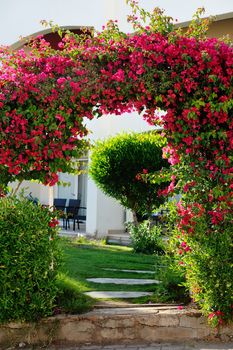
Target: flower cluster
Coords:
[(39, 130), (53, 223), (217, 317)]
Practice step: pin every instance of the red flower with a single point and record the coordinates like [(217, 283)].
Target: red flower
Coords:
[(119, 76), (54, 223)]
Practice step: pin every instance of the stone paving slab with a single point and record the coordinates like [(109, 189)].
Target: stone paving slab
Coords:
[(128, 281), (103, 304), (132, 310), (133, 271), (116, 295)]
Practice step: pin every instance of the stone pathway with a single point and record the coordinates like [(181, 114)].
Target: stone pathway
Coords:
[(121, 281)]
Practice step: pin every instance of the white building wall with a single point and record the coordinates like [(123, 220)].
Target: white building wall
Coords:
[(43, 193), (92, 208), (110, 215)]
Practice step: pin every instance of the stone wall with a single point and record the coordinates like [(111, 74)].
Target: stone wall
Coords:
[(115, 326)]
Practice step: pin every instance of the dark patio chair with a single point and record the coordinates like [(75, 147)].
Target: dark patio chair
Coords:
[(72, 212), (59, 204), (81, 215)]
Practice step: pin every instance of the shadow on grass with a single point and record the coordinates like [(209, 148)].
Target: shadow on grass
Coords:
[(70, 299)]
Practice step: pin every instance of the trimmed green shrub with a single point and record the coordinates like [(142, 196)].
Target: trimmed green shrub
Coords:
[(118, 165), (146, 239), (172, 283), (29, 260)]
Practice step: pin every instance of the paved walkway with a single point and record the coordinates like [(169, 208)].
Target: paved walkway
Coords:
[(165, 346), (122, 281)]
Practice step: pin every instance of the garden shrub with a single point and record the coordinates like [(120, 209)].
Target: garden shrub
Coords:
[(120, 165), (146, 238), (172, 283), (207, 260), (29, 260)]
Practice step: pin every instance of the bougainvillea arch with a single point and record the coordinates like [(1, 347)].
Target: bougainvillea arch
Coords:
[(45, 96)]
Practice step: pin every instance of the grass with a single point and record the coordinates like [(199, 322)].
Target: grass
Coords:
[(86, 259)]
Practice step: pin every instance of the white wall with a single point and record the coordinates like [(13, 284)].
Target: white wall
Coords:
[(92, 209), (110, 215), (43, 193), (112, 124)]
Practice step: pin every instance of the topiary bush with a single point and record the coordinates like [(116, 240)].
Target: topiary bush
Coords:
[(29, 260), (146, 239), (119, 163)]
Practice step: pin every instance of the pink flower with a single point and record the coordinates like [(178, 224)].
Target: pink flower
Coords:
[(61, 81), (140, 71), (119, 76), (61, 45), (188, 140), (60, 117), (187, 249)]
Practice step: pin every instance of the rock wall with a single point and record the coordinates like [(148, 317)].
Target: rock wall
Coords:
[(115, 326)]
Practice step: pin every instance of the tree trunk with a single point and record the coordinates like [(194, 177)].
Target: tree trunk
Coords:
[(135, 219)]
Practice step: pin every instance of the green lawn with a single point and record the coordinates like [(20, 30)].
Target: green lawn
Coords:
[(82, 261), (85, 261)]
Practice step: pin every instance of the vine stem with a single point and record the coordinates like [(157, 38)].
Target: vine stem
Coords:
[(17, 187)]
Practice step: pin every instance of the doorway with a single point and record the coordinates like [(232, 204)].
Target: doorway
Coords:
[(74, 186)]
